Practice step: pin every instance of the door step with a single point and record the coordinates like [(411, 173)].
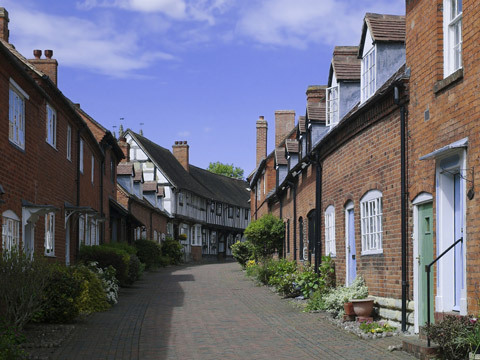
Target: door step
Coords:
[(418, 348)]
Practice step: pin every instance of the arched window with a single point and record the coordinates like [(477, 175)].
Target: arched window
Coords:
[(371, 213), (10, 230), (330, 248)]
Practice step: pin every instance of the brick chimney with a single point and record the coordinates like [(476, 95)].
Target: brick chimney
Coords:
[(180, 151), (4, 32), (48, 66), (284, 124), (122, 142), (262, 128)]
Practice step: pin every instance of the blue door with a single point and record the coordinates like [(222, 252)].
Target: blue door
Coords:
[(352, 260), (458, 230)]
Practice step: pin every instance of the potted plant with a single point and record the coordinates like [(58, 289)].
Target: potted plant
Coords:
[(348, 308), (363, 307)]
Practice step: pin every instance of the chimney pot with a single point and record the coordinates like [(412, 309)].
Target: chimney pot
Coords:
[(37, 53), (4, 32), (48, 53)]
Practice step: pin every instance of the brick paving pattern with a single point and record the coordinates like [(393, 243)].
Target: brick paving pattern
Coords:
[(212, 311)]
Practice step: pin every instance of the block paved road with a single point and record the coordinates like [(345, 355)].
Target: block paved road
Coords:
[(212, 311)]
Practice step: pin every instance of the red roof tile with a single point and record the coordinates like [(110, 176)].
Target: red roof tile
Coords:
[(150, 186), (280, 156), (345, 63), (291, 146), (386, 27)]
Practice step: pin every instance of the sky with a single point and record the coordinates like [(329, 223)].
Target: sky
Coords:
[(196, 70)]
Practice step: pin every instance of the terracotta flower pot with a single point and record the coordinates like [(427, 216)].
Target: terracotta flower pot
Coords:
[(363, 307), (348, 307)]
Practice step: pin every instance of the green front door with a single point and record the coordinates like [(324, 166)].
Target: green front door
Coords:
[(425, 251)]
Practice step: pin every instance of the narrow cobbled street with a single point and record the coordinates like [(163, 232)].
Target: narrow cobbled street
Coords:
[(212, 311)]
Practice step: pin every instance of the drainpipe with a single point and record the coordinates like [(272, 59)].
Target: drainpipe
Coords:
[(102, 224), (403, 180), (318, 213), (285, 239), (293, 186), (78, 186)]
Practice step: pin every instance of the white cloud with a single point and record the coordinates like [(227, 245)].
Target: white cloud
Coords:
[(302, 22), (184, 134), (95, 46)]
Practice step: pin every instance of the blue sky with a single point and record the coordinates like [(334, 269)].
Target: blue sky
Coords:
[(195, 70)]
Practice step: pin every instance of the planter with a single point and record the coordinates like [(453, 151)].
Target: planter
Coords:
[(348, 307), (363, 307)]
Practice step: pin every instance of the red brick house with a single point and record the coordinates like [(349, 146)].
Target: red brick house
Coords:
[(443, 55)]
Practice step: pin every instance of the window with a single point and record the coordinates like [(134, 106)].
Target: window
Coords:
[(368, 75), (196, 235), (81, 230), (371, 210), (69, 142), (332, 106), (230, 212), (81, 156), (51, 126), (50, 234), (330, 248), (180, 199), (112, 171), (10, 230), (288, 236), (258, 189), (453, 35), (212, 207), (219, 209), (247, 211), (238, 212), (264, 185), (93, 168), (16, 115)]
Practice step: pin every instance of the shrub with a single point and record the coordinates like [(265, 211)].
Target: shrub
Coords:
[(108, 280), (266, 235), (333, 301), (107, 256), (307, 281), (92, 297), (173, 250), (252, 268), (327, 273), (10, 339), (149, 253), (60, 297), (22, 283), (451, 336), (123, 246), (284, 276), (242, 252), (135, 269), (316, 301)]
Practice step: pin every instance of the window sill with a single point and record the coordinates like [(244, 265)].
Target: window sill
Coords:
[(52, 146), (372, 252), (17, 146), (50, 255), (449, 80)]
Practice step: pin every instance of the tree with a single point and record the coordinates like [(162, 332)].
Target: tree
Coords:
[(266, 235), (225, 169)]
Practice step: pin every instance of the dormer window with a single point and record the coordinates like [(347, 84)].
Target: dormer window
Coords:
[(368, 74), (452, 35), (332, 106)]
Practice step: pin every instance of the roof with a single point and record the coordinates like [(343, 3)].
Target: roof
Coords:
[(383, 28), (225, 189), (280, 158), (291, 146), (160, 191), (345, 64), (301, 124), (199, 181), (125, 168), (150, 186), (138, 176), (316, 111)]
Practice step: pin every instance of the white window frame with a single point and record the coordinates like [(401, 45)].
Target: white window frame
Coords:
[(51, 126), (81, 156), (258, 189), (371, 221), (49, 244), (452, 34), (333, 105), (69, 142), (369, 74), (92, 177), (196, 235), (10, 231), (81, 230), (330, 247), (16, 115)]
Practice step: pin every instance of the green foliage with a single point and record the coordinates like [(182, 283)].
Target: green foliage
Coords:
[(327, 273), (135, 269), (108, 280), (149, 253), (10, 339), (251, 268), (123, 246), (173, 250), (307, 281), (455, 335), (225, 169), (92, 297), (242, 252), (60, 298), (375, 327), (266, 235), (316, 301), (284, 276), (22, 283), (107, 256), (333, 301)]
